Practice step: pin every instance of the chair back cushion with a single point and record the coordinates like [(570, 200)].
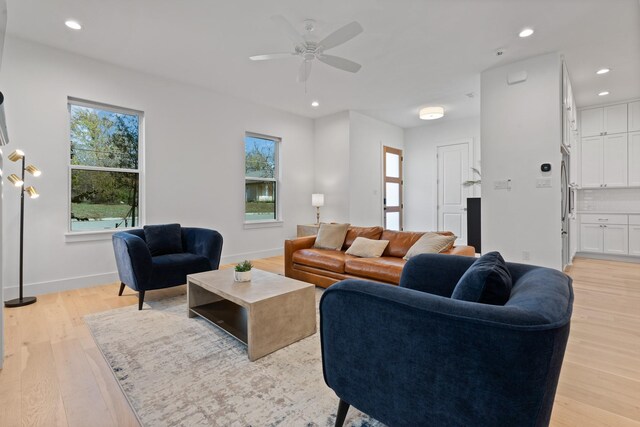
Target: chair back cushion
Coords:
[(163, 239), (487, 281)]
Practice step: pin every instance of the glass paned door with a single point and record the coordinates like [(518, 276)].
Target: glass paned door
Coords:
[(392, 166)]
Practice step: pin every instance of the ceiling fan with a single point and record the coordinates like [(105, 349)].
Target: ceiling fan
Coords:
[(308, 50)]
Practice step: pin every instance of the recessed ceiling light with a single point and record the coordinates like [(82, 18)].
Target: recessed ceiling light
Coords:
[(74, 25), (603, 71), (605, 93), (315, 104), (431, 113), (526, 32)]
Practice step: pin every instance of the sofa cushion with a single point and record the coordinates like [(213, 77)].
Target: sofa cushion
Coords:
[(399, 242), (172, 269), (431, 243), (321, 258), (331, 236), (385, 269), (372, 233), (367, 248), (163, 239), (487, 281)]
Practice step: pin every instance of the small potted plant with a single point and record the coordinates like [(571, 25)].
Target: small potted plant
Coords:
[(243, 271)]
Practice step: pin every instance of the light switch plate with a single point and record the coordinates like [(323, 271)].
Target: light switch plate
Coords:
[(543, 183)]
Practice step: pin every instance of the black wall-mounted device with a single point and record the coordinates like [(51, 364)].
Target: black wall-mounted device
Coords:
[(545, 167)]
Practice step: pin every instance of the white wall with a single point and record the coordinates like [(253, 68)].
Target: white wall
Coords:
[(194, 158), (421, 167), (521, 129), (331, 163), (367, 136)]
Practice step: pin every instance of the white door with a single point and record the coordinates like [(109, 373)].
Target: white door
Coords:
[(614, 167), (591, 238), (591, 159), (634, 159), (634, 116), (392, 164), (615, 119), (591, 123), (453, 171), (634, 240), (616, 239)]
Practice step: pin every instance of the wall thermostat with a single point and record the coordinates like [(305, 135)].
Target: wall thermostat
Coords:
[(545, 167)]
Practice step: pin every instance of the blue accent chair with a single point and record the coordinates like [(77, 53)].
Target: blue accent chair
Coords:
[(143, 272), (409, 355)]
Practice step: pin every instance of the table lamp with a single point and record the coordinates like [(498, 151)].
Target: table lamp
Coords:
[(317, 200)]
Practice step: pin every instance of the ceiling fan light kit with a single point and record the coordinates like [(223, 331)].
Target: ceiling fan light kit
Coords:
[(309, 50)]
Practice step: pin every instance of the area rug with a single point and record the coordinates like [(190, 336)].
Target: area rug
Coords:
[(180, 371)]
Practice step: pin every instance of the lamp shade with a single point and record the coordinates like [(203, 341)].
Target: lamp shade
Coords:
[(317, 199), (431, 113), (32, 192), (33, 170), (15, 180), (16, 155)]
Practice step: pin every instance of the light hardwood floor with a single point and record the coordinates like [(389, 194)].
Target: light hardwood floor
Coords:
[(54, 375)]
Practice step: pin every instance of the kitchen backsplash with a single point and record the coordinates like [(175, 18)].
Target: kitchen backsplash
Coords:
[(622, 200)]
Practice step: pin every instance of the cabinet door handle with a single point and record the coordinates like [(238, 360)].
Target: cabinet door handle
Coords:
[(603, 219)]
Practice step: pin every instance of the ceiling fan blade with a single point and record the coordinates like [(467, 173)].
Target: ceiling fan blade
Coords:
[(288, 29), (341, 35), (341, 63), (304, 71), (271, 56)]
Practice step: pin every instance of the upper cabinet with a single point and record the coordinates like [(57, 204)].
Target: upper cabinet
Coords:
[(634, 116), (604, 120)]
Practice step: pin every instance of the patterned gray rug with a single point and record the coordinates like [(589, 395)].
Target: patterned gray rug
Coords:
[(177, 371)]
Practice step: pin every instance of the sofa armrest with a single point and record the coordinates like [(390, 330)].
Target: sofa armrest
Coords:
[(292, 245), (439, 352), (461, 250), (436, 274), (203, 242), (133, 260)]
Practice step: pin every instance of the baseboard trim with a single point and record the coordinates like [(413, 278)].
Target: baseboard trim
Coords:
[(609, 257), (61, 285)]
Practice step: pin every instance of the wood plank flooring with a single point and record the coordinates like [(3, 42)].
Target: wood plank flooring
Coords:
[(54, 374)]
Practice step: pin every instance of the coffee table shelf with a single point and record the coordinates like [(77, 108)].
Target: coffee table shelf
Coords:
[(227, 316)]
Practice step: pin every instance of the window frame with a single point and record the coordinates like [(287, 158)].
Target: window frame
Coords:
[(276, 179), (87, 235)]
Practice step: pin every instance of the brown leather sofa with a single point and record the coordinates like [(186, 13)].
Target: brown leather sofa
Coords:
[(324, 267)]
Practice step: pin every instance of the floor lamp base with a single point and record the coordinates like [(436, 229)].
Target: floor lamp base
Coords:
[(19, 302)]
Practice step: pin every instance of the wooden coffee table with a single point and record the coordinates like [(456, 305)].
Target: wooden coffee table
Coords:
[(268, 313)]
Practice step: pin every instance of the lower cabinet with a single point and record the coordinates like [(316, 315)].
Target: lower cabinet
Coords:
[(610, 234)]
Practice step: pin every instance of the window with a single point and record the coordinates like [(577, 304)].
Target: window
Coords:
[(104, 167), (260, 178)]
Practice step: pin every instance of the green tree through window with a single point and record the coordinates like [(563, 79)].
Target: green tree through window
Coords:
[(104, 167), (261, 178)]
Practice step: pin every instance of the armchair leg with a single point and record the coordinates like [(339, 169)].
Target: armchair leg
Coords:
[(140, 299), (122, 285), (343, 407)]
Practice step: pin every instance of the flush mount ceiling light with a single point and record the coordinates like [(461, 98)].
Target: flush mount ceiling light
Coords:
[(315, 104), (526, 32), (74, 25), (431, 113), (603, 71), (604, 93)]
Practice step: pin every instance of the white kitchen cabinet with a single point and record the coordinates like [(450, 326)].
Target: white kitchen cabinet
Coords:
[(634, 159), (591, 161), (615, 239), (604, 120), (634, 240), (634, 116), (591, 238), (615, 163)]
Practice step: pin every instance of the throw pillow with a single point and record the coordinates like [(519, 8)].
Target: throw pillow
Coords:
[(431, 243), (367, 248), (331, 236), (163, 239), (487, 281)]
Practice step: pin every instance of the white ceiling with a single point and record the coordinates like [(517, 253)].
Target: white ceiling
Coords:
[(413, 52)]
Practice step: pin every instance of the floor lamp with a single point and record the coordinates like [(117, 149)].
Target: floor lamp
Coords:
[(19, 182)]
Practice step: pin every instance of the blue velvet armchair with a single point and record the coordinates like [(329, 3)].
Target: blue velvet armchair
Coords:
[(412, 356), (196, 250)]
